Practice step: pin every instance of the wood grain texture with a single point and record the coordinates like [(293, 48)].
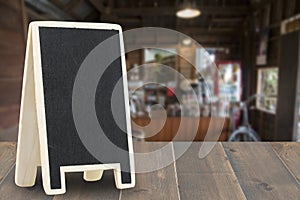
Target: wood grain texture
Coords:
[(8, 189), (78, 189), (159, 184), (208, 178), (7, 158), (260, 172), (28, 152), (251, 170), (290, 155)]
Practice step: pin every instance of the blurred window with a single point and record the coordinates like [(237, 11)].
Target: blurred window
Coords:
[(267, 84)]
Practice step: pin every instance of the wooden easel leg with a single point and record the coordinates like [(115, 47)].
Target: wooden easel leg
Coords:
[(94, 175), (28, 152), (27, 162)]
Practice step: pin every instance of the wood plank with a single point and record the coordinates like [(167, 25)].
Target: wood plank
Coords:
[(79, 189), (290, 155), (208, 178), (260, 171), (8, 189), (160, 184), (7, 158)]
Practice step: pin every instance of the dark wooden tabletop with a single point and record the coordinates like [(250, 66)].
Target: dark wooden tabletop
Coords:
[(230, 171)]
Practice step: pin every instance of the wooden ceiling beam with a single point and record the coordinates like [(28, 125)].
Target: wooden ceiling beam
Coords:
[(203, 30), (72, 4), (190, 31), (49, 8), (205, 10), (32, 14), (67, 9), (94, 15), (144, 39), (214, 40), (150, 11), (227, 20), (98, 4)]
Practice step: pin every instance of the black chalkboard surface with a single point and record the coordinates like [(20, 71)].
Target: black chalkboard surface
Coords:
[(57, 51)]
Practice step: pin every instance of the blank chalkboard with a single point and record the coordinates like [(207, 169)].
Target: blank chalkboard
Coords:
[(55, 54)]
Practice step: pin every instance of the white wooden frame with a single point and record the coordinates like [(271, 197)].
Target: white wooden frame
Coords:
[(32, 150)]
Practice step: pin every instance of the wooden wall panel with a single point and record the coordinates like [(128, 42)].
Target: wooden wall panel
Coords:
[(9, 115), (11, 15), (265, 123), (12, 49), (10, 67), (287, 88), (10, 90)]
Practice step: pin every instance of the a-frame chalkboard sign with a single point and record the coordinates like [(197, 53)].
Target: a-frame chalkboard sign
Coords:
[(61, 100)]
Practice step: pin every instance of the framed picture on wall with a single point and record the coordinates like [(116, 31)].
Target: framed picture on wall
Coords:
[(261, 57), (267, 86)]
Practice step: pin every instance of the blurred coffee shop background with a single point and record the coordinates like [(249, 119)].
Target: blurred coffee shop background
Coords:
[(254, 43)]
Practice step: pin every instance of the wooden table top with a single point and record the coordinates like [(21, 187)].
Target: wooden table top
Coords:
[(230, 171)]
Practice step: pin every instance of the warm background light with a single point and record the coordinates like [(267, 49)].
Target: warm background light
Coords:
[(188, 13)]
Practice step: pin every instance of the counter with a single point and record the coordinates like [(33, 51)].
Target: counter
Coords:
[(192, 129)]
